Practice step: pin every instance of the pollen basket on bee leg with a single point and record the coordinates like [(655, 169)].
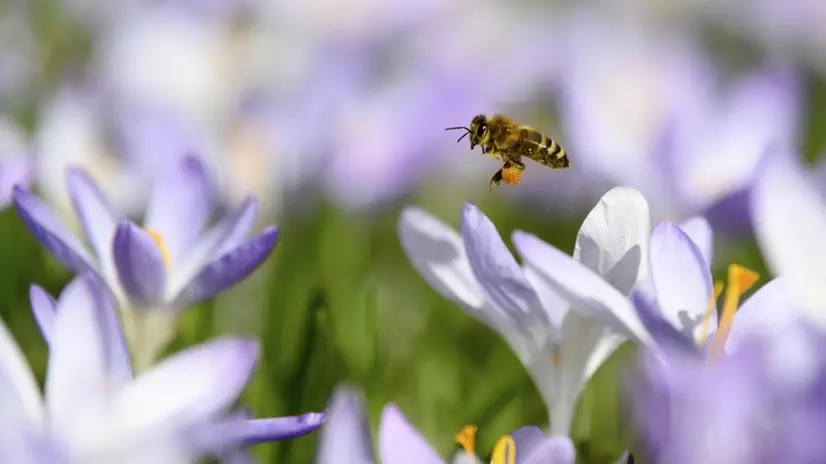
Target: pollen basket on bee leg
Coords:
[(512, 176)]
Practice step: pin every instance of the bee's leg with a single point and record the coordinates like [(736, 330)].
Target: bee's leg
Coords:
[(496, 179)]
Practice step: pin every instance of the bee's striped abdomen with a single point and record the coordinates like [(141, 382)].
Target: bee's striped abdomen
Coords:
[(553, 154)]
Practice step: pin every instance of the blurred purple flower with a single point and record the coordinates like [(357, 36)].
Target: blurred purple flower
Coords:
[(648, 110), (17, 163), (171, 264), (789, 210), (346, 439), (761, 403), (93, 410)]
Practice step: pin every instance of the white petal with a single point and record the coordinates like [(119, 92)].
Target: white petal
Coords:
[(614, 237), (345, 439), (77, 370), (19, 386), (554, 305), (682, 279), (585, 290), (437, 252), (699, 230), (790, 223), (192, 386)]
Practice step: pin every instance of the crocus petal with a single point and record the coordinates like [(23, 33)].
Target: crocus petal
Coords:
[(437, 252), (682, 279), (583, 288), (50, 232), (220, 239), (228, 270), (790, 223), (190, 387), (699, 231), (662, 331), (95, 214), (346, 437), (400, 442), (16, 169), (21, 395), (181, 203), (77, 368), (117, 360), (556, 450), (140, 266), (255, 431), (614, 236), (499, 275), (43, 307), (768, 311), (526, 439)]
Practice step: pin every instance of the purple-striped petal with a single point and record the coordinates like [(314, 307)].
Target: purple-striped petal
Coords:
[(140, 266), (15, 170), (500, 276), (116, 354), (248, 432), (188, 388), (50, 232), (662, 331), (526, 439), (228, 270), (219, 240), (96, 216), (400, 442), (181, 204), (43, 308)]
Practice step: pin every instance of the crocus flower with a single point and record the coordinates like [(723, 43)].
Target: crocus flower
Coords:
[(17, 164), (763, 402), (90, 370), (789, 210), (648, 110), (560, 346), (170, 264), (345, 439)]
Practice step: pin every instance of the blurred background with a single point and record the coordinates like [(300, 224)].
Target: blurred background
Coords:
[(333, 113)]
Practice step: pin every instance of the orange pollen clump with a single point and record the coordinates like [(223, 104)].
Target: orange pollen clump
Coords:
[(511, 175), (504, 452)]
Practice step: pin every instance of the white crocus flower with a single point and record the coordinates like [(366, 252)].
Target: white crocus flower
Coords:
[(92, 410), (560, 348), (789, 214)]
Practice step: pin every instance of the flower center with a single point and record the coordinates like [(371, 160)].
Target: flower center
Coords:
[(740, 280), (161, 244), (504, 452)]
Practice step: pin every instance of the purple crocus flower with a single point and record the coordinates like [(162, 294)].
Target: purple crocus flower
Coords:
[(761, 403), (170, 264), (346, 439), (178, 407)]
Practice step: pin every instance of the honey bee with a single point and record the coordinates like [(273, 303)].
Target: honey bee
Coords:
[(503, 139)]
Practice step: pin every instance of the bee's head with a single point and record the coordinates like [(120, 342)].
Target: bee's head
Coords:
[(478, 130)]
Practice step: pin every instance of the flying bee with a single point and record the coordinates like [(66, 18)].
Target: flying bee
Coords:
[(503, 139)]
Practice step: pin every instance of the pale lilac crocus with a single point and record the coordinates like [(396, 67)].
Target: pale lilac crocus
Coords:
[(646, 108), (560, 345), (761, 403), (345, 439), (789, 211), (170, 264), (194, 388)]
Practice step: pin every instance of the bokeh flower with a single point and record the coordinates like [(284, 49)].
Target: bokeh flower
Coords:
[(789, 210), (93, 411), (560, 346), (760, 403), (345, 439), (87, 303), (171, 264)]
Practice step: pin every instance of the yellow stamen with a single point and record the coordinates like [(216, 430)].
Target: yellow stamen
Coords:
[(504, 452), (740, 280), (159, 242), (467, 438), (710, 312)]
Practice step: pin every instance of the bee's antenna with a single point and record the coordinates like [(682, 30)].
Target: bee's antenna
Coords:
[(467, 131)]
